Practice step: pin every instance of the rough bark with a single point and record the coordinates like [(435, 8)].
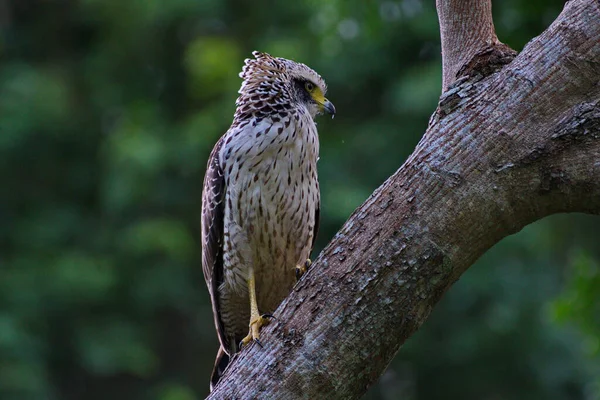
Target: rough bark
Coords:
[(510, 143), (466, 28), (469, 41)]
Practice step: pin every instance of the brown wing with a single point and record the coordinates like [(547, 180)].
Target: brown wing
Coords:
[(212, 234), (316, 228)]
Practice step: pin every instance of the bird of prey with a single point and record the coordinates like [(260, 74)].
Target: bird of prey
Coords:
[(260, 202)]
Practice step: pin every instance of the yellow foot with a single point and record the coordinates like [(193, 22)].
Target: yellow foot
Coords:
[(255, 325), (302, 269)]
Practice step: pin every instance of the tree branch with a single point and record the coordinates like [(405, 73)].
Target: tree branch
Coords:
[(467, 33), (500, 152)]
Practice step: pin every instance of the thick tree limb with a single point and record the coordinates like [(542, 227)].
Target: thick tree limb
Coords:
[(467, 31), (500, 152)]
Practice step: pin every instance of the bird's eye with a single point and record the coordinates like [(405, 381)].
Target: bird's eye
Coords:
[(309, 87)]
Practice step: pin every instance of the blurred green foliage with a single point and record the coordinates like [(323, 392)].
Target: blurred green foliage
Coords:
[(108, 111)]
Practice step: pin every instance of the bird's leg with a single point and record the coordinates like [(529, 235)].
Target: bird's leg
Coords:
[(257, 321), (302, 269)]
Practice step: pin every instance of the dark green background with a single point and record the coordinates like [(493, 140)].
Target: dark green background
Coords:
[(108, 111)]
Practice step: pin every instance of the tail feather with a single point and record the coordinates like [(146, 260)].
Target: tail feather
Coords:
[(221, 363)]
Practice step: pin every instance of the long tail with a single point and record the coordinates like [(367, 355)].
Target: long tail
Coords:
[(221, 363)]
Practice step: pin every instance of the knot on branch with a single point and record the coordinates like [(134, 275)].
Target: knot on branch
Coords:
[(483, 64), (487, 61)]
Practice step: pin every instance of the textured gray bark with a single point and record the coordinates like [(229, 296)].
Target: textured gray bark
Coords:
[(466, 28), (511, 142)]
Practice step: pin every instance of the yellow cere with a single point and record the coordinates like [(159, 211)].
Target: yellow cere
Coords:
[(316, 93)]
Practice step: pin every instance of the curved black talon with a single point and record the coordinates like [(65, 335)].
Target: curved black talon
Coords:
[(241, 344), (270, 316)]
